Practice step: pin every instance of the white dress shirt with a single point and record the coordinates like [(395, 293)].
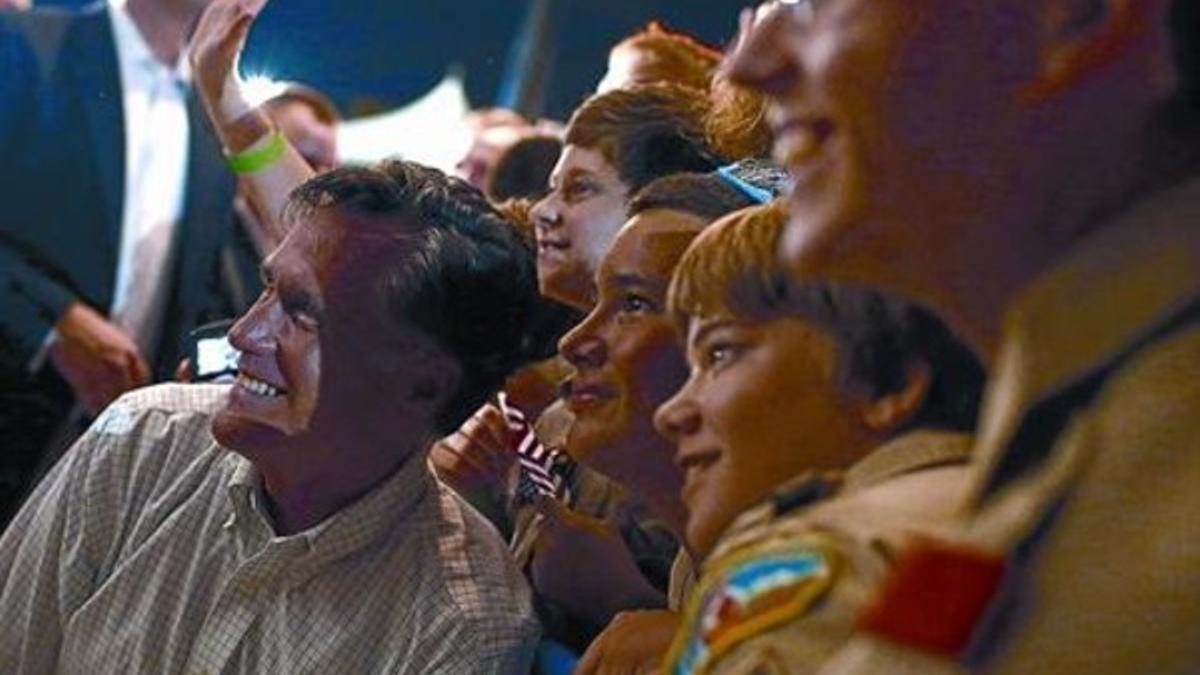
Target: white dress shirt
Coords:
[(156, 151)]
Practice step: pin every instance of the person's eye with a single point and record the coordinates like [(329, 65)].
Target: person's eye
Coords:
[(301, 313), (717, 355), (578, 189), (305, 320), (632, 303)]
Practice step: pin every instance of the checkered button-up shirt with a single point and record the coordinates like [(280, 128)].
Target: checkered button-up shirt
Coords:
[(148, 550)]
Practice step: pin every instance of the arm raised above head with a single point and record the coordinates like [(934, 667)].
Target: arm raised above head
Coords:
[(268, 166)]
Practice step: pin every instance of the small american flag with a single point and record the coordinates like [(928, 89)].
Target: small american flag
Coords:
[(543, 470)]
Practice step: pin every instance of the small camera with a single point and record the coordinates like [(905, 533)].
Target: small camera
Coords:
[(213, 358)]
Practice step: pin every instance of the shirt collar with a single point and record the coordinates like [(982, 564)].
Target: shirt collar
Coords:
[(920, 449), (909, 452), (1114, 288), (391, 503), (133, 53)]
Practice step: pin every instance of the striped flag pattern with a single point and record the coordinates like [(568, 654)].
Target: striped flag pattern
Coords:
[(543, 470)]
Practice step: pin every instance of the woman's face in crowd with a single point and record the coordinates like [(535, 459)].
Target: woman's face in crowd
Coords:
[(626, 353), (762, 405), (575, 224)]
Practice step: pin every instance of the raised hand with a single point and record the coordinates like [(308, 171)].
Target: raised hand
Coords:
[(476, 459), (215, 50)]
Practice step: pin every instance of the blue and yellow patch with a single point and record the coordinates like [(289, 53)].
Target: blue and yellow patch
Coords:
[(747, 593)]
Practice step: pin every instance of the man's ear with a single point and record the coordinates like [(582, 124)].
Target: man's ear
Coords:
[(434, 383), (887, 413), (1080, 37)]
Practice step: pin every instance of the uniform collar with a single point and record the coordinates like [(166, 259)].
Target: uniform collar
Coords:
[(908, 452), (1113, 289), (913, 451)]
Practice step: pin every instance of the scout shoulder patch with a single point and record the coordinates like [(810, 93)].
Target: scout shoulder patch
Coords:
[(748, 593)]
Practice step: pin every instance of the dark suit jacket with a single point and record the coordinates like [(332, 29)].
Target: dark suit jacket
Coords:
[(62, 175), (62, 171)]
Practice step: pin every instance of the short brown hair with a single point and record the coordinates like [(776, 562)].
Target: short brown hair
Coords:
[(732, 269), (646, 131), (674, 56), (705, 195)]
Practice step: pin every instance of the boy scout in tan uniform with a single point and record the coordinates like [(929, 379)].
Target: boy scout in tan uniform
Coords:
[(861, 396), (783, 587), (1090, 433), (1069, 253)]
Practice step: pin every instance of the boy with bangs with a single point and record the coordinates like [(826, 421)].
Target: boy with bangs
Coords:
[(839, 412)]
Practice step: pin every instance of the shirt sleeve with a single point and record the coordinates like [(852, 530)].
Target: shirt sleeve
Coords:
[(52, 553), (1116, 583), (46, 567)]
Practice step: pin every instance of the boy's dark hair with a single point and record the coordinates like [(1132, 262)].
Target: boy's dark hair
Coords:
[(706, 195), (1184, 24), (712, 195)]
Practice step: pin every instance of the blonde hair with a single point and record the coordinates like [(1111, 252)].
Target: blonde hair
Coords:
[(731, 268)]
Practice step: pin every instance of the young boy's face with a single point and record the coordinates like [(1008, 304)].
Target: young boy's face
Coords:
[(762, 405), (575, 224)]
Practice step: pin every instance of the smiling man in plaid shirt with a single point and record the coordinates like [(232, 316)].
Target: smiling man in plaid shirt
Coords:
[(290, 523)]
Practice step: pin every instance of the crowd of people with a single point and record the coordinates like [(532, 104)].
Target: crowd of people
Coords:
[(866, 345)]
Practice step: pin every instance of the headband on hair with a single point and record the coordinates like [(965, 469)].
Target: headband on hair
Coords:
[(731, 174)]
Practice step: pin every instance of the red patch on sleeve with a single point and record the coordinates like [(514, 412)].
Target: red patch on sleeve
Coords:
[(935, 597)]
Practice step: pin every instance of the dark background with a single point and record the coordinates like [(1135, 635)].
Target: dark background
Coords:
[(372, 54)]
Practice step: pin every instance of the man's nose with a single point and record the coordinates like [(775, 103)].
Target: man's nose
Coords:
[(254, 331), (764, 57)]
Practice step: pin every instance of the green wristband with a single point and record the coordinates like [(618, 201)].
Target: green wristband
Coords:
[(255, 160)]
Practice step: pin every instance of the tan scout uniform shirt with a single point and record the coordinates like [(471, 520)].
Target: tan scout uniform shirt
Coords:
[(783, 587), (148, 550), (1101, 523)]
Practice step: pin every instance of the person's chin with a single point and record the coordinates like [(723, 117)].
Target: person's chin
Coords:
[(581, 444), (591, 441), (699, 534), (243, 434), (568, 283)]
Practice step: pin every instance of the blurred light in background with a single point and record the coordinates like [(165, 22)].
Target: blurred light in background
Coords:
[(258, 89)]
